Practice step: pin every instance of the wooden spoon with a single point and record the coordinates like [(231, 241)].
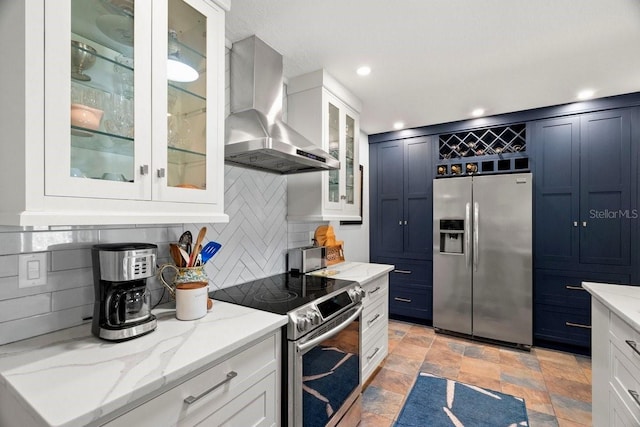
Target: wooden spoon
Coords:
[(197, 246), (174, 251)]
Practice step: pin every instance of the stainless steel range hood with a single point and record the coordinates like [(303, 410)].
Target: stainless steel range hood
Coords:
[(255, 136)]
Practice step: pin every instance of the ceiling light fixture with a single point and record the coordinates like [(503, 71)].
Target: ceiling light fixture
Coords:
[(586, 94), (398, 125), (178, 70), (477, 112), (364, 70)]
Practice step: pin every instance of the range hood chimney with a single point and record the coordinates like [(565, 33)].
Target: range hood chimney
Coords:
[(255, 135)]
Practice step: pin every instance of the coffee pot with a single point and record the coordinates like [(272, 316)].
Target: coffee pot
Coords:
[(122, 308)]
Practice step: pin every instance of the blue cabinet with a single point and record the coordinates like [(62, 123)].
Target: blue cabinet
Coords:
[(583, 190), (401, 199), (585, 205), (401, 220)]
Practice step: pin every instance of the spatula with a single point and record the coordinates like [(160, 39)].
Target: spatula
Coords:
[(196, 246), (209, 250)]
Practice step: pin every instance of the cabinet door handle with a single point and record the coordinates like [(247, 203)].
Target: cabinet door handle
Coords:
[(575, 288), (635, 396), (577, 325), (373, 354), (584, 224), (190, 399), (374, 291), (402, 271), (633, 345), (575, 223), (161, 173), (144, 169), (402, 299), (343, 197), (373, 320), (405, 222), (400, 222)]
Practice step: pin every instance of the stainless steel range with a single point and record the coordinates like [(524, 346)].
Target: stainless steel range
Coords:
[(321, 373)]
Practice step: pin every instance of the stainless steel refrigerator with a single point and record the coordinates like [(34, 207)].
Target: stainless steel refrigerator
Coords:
[(482, 257)]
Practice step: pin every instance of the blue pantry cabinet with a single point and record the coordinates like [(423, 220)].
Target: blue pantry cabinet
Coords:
[(401, 196), (585, 204)]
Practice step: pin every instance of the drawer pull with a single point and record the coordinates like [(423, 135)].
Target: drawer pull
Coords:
[(190, 399), (633, 345), (402, 299), (402, 271), (575, 288), (635, 396), (373, 354), (577, 325), (373, 320), (374, 291)]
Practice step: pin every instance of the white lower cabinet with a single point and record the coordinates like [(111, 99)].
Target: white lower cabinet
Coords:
[(242, 390), (616, 369), (374, 326)]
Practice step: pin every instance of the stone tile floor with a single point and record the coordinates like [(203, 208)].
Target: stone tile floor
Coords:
[(556, 386)]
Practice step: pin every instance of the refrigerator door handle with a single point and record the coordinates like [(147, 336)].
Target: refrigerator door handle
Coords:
[(476, 232), (467, 235)]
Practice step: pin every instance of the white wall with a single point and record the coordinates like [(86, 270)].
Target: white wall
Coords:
[(356, 237)]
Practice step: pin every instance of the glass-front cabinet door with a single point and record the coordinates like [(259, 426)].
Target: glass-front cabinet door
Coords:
[(335, 149), (97, 92), (349, 167), (130, 107), (186, 101)]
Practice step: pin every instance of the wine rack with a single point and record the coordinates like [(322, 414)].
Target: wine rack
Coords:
[(499, 149)]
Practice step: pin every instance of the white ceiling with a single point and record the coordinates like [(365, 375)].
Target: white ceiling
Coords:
[(435, 61)]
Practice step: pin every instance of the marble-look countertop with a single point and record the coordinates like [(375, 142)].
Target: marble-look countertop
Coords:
[(71, 378), (361, 272), (622, 300)]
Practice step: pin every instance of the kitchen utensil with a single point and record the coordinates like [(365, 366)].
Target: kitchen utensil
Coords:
[(197, 246), (186, 239), (184, 255), (82, 58), (209, 250), (174, 251)]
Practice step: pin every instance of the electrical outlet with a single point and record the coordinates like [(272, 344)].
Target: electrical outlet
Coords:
[(32, 269)]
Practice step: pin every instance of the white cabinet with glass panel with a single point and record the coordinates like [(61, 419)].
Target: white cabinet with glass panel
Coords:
[(122, 117), (324, 111)]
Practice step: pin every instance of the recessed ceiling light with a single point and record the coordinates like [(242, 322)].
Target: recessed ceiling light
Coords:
[(586, 94), (364, 71), (477, 112), (398, 125)]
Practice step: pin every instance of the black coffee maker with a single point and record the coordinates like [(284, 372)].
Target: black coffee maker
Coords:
[(122, 309)]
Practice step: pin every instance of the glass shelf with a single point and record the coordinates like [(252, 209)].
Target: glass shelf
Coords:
[(181, 156), (104, 142)]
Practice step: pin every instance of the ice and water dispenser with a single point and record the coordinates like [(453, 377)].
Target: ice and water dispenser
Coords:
[(451, 236)]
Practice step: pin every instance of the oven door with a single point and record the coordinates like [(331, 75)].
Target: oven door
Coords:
[(325, 371)]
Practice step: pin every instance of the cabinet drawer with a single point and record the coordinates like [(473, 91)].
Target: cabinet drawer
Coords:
[(170, 408), (411, 272), (375, 289), (619, 414), (569, 326), (411, 300), (624, 379), (626, 339), (374, 352), (564, 288), (374, 317)]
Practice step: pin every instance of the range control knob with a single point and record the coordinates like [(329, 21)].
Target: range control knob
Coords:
[(314, 317), (302, 323), (357, 294)]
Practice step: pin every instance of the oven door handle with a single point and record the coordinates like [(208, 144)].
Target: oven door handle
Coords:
[(335, 331)]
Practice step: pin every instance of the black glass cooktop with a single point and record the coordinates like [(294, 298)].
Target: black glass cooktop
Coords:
[(281, 293)]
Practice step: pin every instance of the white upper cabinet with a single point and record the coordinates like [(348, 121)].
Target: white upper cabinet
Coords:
[(322, 110), (106, 131)]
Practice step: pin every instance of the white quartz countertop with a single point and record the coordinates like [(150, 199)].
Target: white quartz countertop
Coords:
[(71, 378), (622, 300), (361, 272)]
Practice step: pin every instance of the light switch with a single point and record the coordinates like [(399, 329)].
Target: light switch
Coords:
[(32, 269)]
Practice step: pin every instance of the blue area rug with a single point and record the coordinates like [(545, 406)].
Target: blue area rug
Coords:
[(439, 402)]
